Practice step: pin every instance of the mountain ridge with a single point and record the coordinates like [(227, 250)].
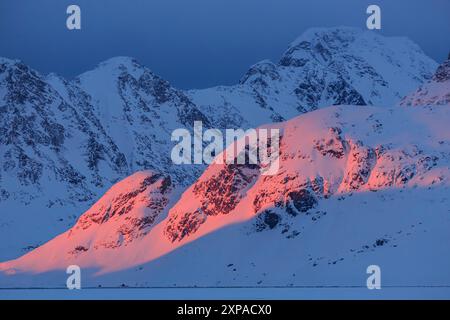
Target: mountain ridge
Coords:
[(70, 140), (376, 166)]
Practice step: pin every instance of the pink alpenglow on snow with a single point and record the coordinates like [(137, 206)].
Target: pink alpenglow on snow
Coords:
[(328, 158)]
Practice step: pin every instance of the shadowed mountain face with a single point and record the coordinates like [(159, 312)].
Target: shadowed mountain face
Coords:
[(322, 67), (434, 92), (64, 143)]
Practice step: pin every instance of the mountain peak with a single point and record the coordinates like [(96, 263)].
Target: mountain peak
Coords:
[(365, 67), (341, 33), (16, 64), (116, 66), (120, 61), (8, 61), (323, 43)]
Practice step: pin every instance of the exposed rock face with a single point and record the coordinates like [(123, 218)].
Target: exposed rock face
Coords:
[(218, 195), (443, 72), (126, 213), (434, 92), (322, 67), (330, 158), (37, 127), (302, 200), (332, 144), (360, 162)]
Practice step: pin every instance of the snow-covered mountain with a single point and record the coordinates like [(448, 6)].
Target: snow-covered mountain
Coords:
[(37, 127), (55, 155), (357, 185), (63, 143), (434, 92), (323, 67), (139, 110)]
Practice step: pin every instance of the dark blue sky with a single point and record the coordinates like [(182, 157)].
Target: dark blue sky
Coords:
[(197, 43)]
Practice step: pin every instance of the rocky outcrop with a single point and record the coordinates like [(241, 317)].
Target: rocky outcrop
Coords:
[(434, 92)]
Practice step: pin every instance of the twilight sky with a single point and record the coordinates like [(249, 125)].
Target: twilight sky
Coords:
[(198, 43)]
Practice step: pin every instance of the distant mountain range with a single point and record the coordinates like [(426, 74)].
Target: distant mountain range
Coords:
[(63, 144)]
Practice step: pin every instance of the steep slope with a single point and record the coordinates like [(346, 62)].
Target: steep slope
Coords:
[(324, 66), (54, 154), (63, 143), (434, 92), (37, 126), (139, 110), (356, 186)]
